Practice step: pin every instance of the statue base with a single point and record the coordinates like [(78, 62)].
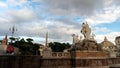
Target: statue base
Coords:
[(86, 54), (88, 45)]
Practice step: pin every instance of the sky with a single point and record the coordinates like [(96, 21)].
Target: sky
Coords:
[(60, 18)]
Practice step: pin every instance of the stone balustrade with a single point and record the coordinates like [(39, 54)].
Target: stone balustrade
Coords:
[(61, 55)]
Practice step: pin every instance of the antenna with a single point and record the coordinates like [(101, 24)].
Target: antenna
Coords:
[(13, 30)]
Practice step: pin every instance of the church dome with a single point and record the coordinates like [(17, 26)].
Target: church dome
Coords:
[(107, 45)]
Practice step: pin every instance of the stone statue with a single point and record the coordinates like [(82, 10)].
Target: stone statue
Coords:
[(86, 30), (75, 38), (92, 38)]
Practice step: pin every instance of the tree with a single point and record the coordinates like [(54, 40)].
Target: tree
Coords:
[(0, 41), (22, 40), (36, 49), (26, 48), (29, 40), (59, 47), (12, 39)]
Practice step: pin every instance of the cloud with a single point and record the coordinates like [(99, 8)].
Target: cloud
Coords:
[(57, 31), (110, 15), (95, 11), (16, 2), (17, 18), (2, 5), (73, 7), (33, 18), (98, 30), (22, 15), (110, 36), (113, 2)]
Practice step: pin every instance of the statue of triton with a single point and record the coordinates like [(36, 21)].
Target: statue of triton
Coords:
[(86, 30)]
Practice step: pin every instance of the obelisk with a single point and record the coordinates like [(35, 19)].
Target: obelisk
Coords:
[(46, 43)]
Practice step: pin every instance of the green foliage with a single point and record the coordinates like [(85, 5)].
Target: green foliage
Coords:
[(12, 39), (22, 40), (59, 47), (0, 41), (26, 48), (29, 40)]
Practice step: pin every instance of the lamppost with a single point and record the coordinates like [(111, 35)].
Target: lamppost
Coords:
[(13, 30)]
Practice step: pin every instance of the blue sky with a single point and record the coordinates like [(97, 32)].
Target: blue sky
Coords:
[(60, 18)]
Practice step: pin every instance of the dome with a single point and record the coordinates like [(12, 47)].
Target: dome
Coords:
[(108, 46), (106, 42)]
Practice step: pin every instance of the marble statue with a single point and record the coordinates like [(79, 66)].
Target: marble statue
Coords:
[(75, 39), (86, 30), (88, 43)]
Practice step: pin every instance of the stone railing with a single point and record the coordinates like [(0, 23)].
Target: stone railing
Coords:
[(61, 55)]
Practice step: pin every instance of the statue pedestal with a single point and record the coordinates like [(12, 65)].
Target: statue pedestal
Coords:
[(47, 52), (86, 54), (87, 45), (112, 54)]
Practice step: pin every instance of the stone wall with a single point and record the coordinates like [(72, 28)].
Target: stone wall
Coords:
[(89, 54), (38, 62), (56, 63), (97, 62), (19, 61)]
